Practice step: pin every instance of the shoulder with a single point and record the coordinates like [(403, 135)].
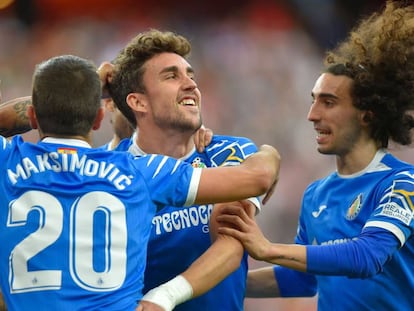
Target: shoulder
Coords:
[(124, 144), (229, 150), (223, 139), (220, 142), (8, 143), (321, 183)]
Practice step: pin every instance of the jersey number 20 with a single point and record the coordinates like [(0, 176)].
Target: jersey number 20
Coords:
[(81, 229)]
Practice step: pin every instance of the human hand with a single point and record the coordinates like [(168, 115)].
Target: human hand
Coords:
[(234, 221), (148, 306), (202, 138), (247, 205), (105, 71), (275, 167)]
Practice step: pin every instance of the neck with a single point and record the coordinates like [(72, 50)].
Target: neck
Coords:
[(169, 143), (357, 159), (114, 142), (87, 138)]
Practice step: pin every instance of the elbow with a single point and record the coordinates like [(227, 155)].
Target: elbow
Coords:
[(369, 265), (369, 270), (267, 180)]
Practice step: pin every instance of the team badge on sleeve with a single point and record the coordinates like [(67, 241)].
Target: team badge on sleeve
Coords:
[(399, 201), (231, 154)]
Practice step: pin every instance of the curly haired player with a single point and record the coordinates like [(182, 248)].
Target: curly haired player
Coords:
[(354, 244)]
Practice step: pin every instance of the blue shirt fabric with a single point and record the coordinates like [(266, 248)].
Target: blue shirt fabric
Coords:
[(75, 222), (353, 215), (180, 235)]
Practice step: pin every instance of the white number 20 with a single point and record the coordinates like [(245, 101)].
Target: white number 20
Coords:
[(80, 241)]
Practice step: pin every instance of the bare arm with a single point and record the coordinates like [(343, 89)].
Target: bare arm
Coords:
[(218, 261), (13, 118), (257, 245), (255, 176), (261, 283), (221, 258)]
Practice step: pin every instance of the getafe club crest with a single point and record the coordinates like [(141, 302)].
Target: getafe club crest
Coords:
[(354, 209)]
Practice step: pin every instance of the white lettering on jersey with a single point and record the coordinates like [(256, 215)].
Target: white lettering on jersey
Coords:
[(183, 218), (57, 163), (393, 210), (336, 241)]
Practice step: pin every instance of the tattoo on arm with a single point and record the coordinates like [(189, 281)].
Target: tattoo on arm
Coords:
[(18, 121), (21, 108)]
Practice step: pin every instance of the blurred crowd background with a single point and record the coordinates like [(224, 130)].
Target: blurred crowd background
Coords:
[(255, 63)]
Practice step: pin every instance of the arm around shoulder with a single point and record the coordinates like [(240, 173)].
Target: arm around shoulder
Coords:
[(256, 176)]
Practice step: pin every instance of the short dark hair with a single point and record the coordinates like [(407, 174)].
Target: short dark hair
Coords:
[(66, 95)]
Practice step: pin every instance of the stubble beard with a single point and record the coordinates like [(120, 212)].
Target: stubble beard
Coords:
[(179, 123)]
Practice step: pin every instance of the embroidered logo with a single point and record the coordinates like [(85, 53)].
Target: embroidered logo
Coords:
[(355, 208), (316, 214), (197, 163)]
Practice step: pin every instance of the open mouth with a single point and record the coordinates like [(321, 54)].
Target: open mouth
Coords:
[(187, 102)]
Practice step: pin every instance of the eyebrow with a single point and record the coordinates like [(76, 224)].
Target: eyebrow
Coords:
[(175, 69), (325, 95)]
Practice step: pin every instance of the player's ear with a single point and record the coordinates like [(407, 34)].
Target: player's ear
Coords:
[(99, 117), (108, 104), (366, 117), (137, 102), (31, 114)]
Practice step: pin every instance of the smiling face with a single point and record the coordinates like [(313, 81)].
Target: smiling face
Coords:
[(172, 95), (338, 124)]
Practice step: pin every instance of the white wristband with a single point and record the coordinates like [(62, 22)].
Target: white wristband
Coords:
[(257, 204), (171, 293)]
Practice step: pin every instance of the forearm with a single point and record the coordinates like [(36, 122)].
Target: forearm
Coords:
[(13, 118), (218, 261), (362, 257), (278, 281), (222, 258), (255, 176), (292, 256), (261, 283)]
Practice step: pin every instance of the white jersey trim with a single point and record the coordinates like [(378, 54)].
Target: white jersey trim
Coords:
[(389, 227), (374, 166), (66, 141), (194, 183)]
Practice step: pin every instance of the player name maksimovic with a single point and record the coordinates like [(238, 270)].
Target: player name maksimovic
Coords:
[(62, 162)]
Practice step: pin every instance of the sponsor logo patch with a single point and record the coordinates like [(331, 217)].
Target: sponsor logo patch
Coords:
[(393, 210)]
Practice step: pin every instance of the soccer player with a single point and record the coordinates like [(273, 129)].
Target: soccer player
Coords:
[(155, 88), (355, 239), (76, 220)]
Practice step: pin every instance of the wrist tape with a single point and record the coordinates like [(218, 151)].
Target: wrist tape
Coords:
[(171, 293)]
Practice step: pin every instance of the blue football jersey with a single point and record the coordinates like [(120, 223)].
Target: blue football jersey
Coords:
[(75, 222), (180, 235), (337, 208)]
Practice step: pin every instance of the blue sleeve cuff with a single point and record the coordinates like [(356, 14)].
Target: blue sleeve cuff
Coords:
[(294, 283)]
